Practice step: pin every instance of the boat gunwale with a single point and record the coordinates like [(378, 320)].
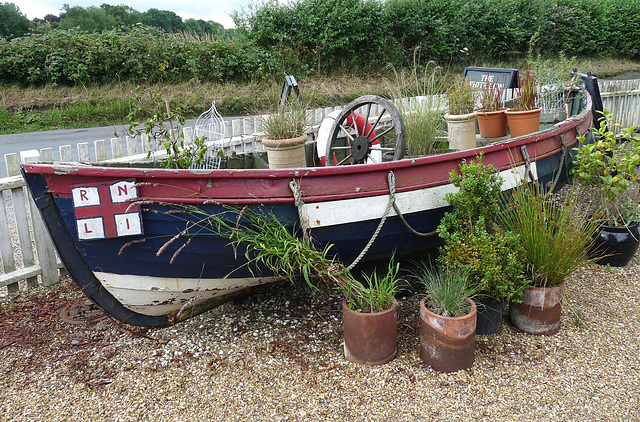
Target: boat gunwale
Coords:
[(89, 170)]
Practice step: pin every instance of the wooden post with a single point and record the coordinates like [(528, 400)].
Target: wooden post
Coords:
[(6, 246), (116, 148), (65, 153), (132, 145), (101, 150), (83, 152)]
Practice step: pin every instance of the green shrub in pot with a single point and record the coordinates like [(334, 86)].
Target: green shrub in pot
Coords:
[(609, 170)]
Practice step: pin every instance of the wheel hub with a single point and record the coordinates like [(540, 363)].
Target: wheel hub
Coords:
[(360, 148)]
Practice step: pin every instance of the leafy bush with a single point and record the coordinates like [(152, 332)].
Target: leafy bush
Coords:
[(494, 260), (477, 199), (143, 54)]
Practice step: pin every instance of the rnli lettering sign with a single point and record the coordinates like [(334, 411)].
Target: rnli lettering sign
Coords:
[(106, 210)]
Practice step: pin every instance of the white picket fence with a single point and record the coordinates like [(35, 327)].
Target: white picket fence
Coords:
[(622, 98), (27, 253)]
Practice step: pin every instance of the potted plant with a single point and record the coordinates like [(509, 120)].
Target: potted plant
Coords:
[(369, 316), (607, 166), (370, 309), (460, 117), (492, 258), (524, 117), (447, 319), (556, 236), (492, 122), (285, 136)]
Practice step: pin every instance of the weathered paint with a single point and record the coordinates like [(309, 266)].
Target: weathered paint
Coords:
[(447, 344), (540, 310)]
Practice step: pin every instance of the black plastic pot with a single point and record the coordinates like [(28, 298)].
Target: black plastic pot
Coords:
[(489, 315), (619, 243)]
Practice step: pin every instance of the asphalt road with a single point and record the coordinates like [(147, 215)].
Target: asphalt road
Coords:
[(14, 143)]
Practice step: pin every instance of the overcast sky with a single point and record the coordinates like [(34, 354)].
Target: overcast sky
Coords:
[(215, 10)]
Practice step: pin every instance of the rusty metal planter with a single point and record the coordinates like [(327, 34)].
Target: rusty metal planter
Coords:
[(447, 344), (539, 312), (370, 338)]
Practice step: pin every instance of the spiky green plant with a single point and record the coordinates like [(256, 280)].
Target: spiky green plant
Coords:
[(556, 237), (424, 126), (448, 290), (377, 292), (291, 253), (289, 121), (462, 98)]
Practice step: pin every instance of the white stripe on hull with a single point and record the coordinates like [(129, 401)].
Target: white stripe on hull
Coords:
[(343, 211), (162, 296)]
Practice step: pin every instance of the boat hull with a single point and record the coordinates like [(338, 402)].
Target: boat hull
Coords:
[(167, 271)]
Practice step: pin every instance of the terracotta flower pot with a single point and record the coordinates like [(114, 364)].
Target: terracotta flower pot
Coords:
[(492, 124), (447, 344), (540, 310), (523, 122), (286, 153), (461, 130), (370, 338)]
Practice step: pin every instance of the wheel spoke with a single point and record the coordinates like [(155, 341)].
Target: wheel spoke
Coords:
[(354, 122), (373, 127), (383, 133), (346, 132), (348, 157), (366, 121)]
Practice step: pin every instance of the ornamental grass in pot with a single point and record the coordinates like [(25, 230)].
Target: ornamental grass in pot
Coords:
[(447, 318), (285, 136), (524, 117), (492, 121), (461, 117), (492, 258), (556, 236), (607, 164), (369, 316)]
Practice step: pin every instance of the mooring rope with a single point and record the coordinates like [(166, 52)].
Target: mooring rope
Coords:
[(297, 200), (391, 178), (563, 162), (527, 163)]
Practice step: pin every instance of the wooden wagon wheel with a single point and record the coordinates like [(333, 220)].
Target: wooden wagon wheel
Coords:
[(358, 137)]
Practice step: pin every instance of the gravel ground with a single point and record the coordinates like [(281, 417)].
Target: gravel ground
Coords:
[(277, 355)]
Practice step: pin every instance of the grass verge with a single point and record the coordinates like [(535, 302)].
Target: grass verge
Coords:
[(26, 109)]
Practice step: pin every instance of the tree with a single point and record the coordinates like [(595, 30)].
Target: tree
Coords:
[(123, 14), (13, 23), (165, 19), (202, 27), (91, 19)]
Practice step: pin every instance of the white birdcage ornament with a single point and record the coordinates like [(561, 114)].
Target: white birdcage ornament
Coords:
[(211, 129)]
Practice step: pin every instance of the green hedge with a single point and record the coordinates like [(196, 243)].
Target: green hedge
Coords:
[(327, 36), (141, 54)]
